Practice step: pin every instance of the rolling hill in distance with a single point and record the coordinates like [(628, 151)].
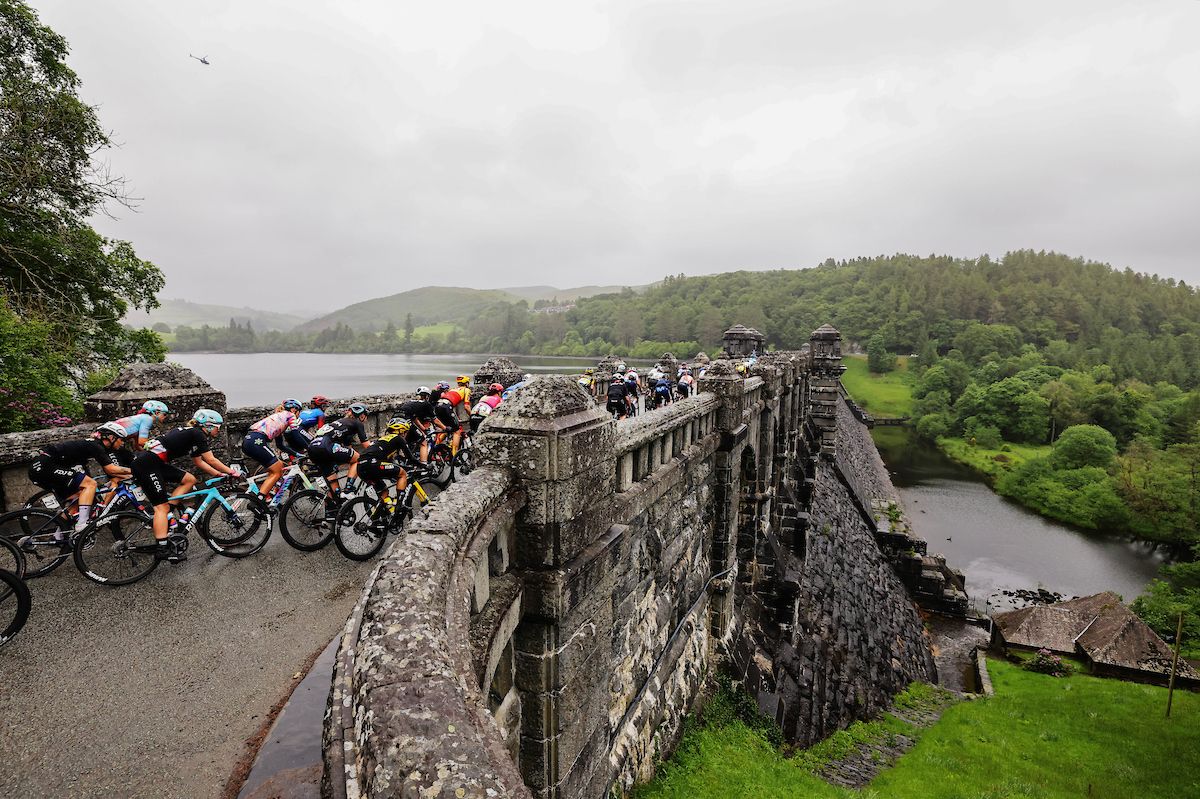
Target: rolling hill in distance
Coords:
[(428, 305)]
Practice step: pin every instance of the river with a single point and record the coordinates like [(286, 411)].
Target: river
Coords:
[(997, 543)]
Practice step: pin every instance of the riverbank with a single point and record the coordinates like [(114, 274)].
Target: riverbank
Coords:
[(1041, 736)]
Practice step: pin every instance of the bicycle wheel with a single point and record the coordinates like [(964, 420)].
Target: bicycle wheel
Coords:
[(11, 557), (117, 550), (14, 605), (360, 532), (33, 530), (237, 532), (43, 499), (302, 521), (441, 465)]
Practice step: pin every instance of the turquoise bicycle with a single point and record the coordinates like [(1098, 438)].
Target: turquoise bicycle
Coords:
[(120, 548)]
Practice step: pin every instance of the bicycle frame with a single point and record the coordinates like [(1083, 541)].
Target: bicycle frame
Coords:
[(210, 493)]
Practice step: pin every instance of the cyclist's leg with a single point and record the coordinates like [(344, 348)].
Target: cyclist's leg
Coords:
[(87, 497), (254, 445)]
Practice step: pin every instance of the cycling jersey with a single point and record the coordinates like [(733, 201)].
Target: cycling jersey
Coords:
[(313, 417), (421, 410), (276, 424), (617, 392), (190, 441), (387, 447), (138, 426), (339, 431), (78, 453)]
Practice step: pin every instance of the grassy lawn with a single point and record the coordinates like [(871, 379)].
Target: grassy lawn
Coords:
[(441, 329), (992, 462), (888, 394), (1039, 737)]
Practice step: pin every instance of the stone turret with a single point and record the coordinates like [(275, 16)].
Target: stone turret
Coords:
[(497, 370), (742, 342), (825, 372), (181, 389)]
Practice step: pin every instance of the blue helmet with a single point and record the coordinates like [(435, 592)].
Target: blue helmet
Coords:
[(205, 417), (154, 406), (358, 409), (290, 404)]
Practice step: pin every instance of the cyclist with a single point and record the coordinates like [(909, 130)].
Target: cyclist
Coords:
[(687, 383), (633, 389), (662, 392), (275, 429), (314, 416), (377, 463), (138, 426), (453, 402), (331, 447), (486, 405), (617, 393), (154, 472), (462, 409), (422, 411), (59, 468)]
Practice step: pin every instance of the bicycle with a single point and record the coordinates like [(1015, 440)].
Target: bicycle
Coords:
[(15, 602), (303, 522), (12, 559), (46, 536), (120, 548), (363, 523)]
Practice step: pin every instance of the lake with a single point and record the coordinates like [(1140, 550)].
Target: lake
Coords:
[(997, 543), (267, 378)]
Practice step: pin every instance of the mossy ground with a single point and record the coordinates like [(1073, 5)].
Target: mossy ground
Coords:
[(1039, 737), (888, 394)]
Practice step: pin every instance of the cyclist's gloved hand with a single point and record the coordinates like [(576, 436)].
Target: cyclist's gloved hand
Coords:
[(235, 470)]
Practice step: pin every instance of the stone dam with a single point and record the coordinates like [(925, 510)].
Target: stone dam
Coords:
[(545, 630)]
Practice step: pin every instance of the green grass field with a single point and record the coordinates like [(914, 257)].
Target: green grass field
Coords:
[(1039, 737), (888, 394), (440, 329), (992, 462)]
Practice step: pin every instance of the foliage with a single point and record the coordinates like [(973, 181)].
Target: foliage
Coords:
[(1164, 599), (1084, 445), (63, 287), (1046, 662), (882, 395), (1109, 738), (879, 360)]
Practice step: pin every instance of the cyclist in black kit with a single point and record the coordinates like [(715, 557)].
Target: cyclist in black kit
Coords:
[(59, 467), (331, 447), (154, 472), (617, 392), (377, 463)]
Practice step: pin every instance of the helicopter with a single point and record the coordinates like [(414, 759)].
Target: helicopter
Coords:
[(201, 59)]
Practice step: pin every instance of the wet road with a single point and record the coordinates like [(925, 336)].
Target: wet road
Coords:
[(154, 689)]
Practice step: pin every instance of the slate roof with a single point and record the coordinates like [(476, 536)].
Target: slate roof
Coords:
[(1106, 631)]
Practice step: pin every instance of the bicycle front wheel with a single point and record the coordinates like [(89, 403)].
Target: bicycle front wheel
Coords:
[(361, 528), (12, 559), (118, 549), (14, 605), (303, 523), (441, 465), (34, 530), (236, 532)]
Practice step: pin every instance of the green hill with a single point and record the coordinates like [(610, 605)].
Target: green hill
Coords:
[(428, 306), (549, 293), (181, 312)]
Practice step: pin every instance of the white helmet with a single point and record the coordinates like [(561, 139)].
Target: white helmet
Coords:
[(111, 429)]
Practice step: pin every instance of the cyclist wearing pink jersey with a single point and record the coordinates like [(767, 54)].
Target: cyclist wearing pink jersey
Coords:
[(273, 429)]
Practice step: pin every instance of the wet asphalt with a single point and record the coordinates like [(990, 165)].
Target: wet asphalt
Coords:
[(154, 689)]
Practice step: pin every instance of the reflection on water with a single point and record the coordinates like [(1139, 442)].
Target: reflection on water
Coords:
[(998, 544), (264, 378)]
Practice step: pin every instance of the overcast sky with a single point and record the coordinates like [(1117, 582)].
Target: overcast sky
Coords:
[(334, 152)]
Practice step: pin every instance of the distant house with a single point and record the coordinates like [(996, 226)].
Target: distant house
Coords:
[(1098, 629)]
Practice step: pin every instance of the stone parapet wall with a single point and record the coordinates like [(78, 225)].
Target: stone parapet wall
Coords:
[(426, 649)]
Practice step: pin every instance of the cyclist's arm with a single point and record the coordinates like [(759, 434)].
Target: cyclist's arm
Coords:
[(209, 464), (117, 472), (293, 442)]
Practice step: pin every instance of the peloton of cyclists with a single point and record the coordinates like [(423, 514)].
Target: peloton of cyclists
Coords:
[(281, 428), (331, 448)]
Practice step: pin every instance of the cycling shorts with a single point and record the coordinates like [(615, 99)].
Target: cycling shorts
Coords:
[(46, 472), (156, 477), (327, 459), (372, 470), (617, 406), (255, 446)]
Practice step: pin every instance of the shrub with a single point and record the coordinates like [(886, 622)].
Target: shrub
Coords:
[(1046, 662)]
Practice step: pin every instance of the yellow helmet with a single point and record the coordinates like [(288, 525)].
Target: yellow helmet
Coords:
[(399, 425), (463, 380)]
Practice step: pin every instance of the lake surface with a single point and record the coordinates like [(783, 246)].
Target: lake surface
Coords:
[(997, 543), (265, 378)]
